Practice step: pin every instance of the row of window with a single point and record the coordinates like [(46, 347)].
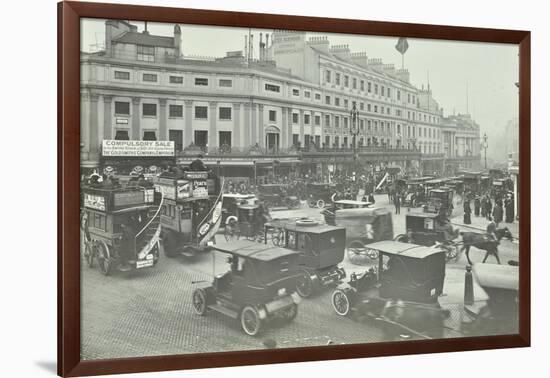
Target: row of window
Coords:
[(122, 108), (365, 86), (174, 79)]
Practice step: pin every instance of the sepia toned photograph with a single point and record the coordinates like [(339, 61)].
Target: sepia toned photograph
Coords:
[(255, 189)]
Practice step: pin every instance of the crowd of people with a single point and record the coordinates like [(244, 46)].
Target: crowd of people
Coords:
[(498, 207)]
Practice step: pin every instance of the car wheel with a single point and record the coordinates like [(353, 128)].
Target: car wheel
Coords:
[(311, 202), (250, 321), (341, 302), (105, 259), (305, 286), (356, 252), (320, 204), (169, 245), (291, 312), (278, 238), (402, 238), (199, 301)]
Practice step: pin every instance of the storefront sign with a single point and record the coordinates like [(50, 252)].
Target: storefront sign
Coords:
[(138, 148)]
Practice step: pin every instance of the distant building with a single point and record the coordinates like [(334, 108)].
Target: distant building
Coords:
[(461, 141), (290, 103)]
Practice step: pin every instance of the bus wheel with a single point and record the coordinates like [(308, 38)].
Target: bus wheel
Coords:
[(105, 259), (169, 244)]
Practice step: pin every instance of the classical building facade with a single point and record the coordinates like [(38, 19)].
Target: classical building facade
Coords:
[(293, 100), (461, 143)]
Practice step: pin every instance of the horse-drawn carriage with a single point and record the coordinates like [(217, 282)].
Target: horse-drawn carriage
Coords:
[(277, 195), (258, 289), (424, 229), (321, 249), (319, 194), (439, 198), (401, 292), (363, 226)]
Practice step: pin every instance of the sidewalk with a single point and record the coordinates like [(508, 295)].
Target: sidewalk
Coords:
[(480, 223)]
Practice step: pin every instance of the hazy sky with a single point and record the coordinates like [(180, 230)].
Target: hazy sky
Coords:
[(488, 70)]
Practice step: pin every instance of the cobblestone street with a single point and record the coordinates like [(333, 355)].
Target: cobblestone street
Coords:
[(149, 312)]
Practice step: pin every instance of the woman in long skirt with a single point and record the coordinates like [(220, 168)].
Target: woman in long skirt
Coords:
[(467, 212)]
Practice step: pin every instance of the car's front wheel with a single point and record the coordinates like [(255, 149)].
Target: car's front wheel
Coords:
[(341, 302), (305, 287), (250, 321), (199, 301)]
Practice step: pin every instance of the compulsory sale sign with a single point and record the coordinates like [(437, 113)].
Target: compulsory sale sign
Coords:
[(142, 148)]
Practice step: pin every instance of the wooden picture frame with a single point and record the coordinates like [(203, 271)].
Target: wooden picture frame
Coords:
[(69, 301)]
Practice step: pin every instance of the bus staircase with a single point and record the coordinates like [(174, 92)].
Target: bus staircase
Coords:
[(209, 225), (149, 235)]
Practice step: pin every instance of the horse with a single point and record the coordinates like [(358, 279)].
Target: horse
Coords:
[(484, 242)]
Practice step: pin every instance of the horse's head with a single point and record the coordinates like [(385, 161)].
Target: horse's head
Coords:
[(505, 233)]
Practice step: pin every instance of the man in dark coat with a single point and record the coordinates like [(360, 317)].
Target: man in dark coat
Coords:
[(477, 206), (397, 203), (509, 205), (497, 213), (467, 212), (488, 207)]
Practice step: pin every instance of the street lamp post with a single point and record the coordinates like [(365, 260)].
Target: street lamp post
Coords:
[(484, 145), (354, 114)]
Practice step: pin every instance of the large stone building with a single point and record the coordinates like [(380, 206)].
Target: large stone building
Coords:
[(290, 103)]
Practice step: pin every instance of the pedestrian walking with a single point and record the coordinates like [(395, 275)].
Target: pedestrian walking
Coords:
[(371, 199), (467, 212), (489, 207), (397, 203), (483, 203), (497, 213), (477, 206), (509, 206)]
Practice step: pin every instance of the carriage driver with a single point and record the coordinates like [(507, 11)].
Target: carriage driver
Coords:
[(442, 223)]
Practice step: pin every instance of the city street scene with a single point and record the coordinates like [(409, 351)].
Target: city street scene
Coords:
[(251, 189)]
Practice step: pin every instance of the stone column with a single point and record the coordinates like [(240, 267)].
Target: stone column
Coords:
[(284, 128), (94, 128), (84, 126), (261, 125), (322, 126), (212, 130), (107, 117), (236, 137), (163, 128), (301, 123), (136, 117), (289, 126), (246, 127), (188, 130), (254, 126)]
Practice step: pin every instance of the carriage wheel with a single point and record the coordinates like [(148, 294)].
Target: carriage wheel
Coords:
[(401, 238), (105, 260), (320, 204), (169, 245), (304, 285), (250, 321), (89, 254), (341, 302), (278, 237), (311, 202), (199, 301), (451, 252), (356, 250)]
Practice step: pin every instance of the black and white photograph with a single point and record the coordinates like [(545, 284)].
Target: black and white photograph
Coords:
[(251, 189)]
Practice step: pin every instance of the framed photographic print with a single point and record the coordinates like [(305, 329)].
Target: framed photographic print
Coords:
[(239, 188)]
